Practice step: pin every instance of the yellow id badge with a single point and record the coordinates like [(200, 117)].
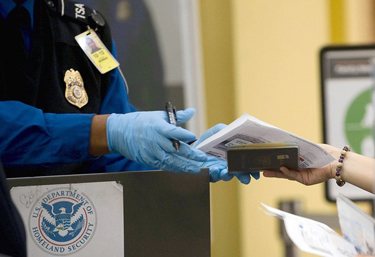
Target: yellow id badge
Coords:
[(96, 51)]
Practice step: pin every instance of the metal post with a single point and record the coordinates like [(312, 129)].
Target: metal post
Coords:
[(293, 207)]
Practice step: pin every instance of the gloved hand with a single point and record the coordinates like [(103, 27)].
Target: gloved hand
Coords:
[(145, 137), (218, 167)]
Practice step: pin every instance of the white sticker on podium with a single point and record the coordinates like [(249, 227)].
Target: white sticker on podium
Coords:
[(83, 219)]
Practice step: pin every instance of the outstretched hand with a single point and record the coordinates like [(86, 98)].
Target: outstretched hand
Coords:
[(309, 176), (305, 176)]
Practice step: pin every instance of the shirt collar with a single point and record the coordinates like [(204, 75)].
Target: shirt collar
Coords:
[(6, 6)]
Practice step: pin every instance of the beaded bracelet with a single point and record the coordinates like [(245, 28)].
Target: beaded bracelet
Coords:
[(339, 166)]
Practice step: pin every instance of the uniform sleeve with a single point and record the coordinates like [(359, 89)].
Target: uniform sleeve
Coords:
[(29, 136)]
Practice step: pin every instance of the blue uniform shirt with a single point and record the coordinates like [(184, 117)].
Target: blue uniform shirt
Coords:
[(30, 137)]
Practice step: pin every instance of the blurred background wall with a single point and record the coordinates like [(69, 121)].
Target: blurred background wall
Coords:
[(262, 57)]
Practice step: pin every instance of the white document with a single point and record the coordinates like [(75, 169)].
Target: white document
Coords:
[(357, 227), (83, 219), (317, 238), (250, 130)]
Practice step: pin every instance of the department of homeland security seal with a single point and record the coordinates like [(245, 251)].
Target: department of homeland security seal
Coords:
[(62, 221)]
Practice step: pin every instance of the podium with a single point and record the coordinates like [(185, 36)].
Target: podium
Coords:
[(143, 213)]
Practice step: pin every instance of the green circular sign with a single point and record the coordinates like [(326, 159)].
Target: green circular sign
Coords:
[(359, 124)]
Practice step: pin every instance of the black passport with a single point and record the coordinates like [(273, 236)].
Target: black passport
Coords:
[(258, 157)]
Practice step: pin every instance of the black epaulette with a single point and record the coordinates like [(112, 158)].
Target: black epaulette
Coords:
[(78, 12)]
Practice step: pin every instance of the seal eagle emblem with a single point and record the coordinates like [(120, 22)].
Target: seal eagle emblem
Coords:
[(62, 221)]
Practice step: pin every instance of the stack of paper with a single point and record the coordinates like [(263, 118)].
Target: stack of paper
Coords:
[(250, 130)]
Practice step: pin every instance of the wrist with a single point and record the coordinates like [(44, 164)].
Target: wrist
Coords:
[(335, 152), (332, 169), (98, 136), (340, 166)]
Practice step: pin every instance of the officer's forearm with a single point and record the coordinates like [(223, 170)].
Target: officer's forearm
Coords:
[(98, 136)]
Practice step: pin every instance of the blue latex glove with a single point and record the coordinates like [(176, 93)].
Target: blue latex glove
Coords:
[(145, 137), (218, 167)]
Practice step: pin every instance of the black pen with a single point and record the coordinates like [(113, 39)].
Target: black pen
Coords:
[(172, 118)]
